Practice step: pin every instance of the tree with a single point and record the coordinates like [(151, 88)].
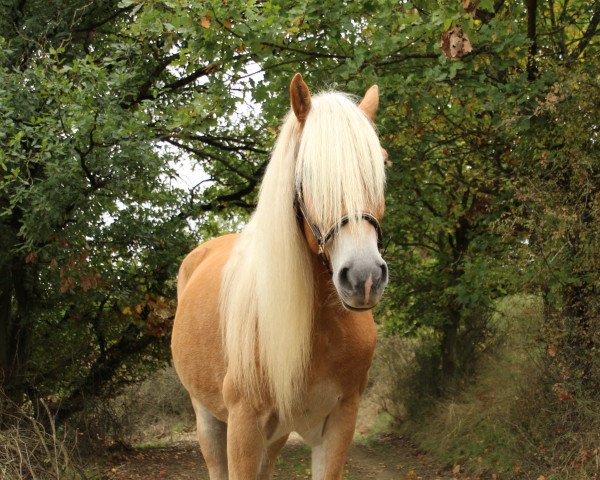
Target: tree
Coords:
[(558, 190), (98, 102)]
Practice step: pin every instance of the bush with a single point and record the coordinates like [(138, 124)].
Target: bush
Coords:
[(154, 409)]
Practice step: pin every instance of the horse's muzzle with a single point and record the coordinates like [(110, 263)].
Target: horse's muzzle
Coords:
[(360, 285)]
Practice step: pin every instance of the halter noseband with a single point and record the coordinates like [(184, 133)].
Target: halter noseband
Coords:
[(322, 239)]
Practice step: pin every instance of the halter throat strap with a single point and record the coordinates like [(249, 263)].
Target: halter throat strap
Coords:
[(322, 239)]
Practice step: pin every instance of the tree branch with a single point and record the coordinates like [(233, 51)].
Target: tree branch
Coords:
[(104, 21), (588, 35), (304, 52), (218, 142), (203, 154), (104, 368)]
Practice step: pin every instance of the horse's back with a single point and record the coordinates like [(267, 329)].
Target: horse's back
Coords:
[(196, 342), (213, 250)]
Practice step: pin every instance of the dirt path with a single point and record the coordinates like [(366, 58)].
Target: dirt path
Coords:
[(385, 458)]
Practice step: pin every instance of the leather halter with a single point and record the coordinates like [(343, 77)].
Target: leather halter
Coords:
[(322, 239)]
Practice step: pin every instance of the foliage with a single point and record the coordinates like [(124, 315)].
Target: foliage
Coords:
[(98, 103), (561, 216)]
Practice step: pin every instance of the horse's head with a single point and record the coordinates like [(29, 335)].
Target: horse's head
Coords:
[(339, 189)]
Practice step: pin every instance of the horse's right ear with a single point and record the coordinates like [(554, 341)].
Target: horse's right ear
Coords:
[(300, 98), (370, 102)]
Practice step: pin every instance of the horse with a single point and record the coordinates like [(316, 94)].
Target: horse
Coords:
[(273, 331)]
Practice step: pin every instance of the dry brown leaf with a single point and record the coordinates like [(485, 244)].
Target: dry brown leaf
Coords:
[(470, 6), (456, 469), (455, 43), (31, 258), (205, 21), (552, 349)]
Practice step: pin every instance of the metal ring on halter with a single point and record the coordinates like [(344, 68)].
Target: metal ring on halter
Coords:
[(323, 239)]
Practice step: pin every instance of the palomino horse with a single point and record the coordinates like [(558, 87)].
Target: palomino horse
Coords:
[(273, 331)]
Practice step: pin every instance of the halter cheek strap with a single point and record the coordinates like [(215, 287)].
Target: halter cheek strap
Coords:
[(322, 239)]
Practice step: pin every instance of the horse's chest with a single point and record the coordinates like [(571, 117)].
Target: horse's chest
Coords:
[(341, 360), (320, 401)]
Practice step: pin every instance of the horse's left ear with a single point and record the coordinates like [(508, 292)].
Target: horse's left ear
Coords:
[(300, 98), (370, 102)]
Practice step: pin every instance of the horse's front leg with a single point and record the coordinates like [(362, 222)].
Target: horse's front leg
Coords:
[(329, 457), (245, 445), (250, 426)]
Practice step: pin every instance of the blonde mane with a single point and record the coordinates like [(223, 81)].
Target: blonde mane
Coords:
[(267, 296)]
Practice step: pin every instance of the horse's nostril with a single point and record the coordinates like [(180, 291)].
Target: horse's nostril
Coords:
[(384, 272), (343, 275)]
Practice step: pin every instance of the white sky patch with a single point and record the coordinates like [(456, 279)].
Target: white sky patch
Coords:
[(190, 175)]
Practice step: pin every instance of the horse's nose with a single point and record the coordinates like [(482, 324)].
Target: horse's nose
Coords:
[(364, 281)]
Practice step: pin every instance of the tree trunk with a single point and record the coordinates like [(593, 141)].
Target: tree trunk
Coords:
[(5, 324), (450, 346), (17, 298), (532, 35), (450, 330)]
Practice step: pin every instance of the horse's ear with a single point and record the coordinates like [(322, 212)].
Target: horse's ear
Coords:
[(300, 97), (370, 102)]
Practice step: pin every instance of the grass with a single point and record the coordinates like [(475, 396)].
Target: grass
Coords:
[(32, 447)]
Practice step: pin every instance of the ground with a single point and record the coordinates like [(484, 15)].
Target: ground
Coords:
[(384, 457)]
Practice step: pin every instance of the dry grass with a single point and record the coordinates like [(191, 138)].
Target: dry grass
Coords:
[(33, 448)]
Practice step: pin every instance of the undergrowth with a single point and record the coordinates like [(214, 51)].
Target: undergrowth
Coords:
[(33, 447), (512, 419), (155, 410)]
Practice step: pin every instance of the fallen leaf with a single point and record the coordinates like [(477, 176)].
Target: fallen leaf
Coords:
[(456, 469), (562, 394), (205, 21)]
